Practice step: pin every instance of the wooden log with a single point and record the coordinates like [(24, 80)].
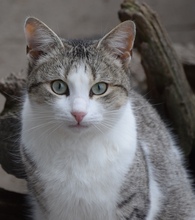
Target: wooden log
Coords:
[(12, 88), (186, 54), (165, 75)]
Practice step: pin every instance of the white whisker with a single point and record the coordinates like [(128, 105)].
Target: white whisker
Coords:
[(96, 126)]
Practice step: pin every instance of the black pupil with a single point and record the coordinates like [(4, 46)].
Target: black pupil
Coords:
[(59, 85)]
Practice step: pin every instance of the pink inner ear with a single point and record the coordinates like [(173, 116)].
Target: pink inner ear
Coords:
[(127, 50), (130, 41), (35, 37), (125, 55), (34, 53), (40, 38), (120, 40), (30, 30)]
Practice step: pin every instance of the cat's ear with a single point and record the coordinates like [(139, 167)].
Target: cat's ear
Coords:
[(120, 40), (40, 38)]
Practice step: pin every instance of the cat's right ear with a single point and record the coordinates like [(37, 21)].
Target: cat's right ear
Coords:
[(40, 38), (119, 41)]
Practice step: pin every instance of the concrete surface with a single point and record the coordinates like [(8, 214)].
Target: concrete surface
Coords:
[(78, 19)]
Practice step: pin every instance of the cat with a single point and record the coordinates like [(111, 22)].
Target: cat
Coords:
[(92, 148)]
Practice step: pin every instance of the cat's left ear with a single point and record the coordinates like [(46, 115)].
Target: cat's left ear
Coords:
[(120, 40), (40, 39)]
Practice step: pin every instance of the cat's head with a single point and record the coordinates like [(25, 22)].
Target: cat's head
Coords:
[(78, 84)]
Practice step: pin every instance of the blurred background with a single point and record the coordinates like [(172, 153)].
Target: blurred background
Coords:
[(78, 19)]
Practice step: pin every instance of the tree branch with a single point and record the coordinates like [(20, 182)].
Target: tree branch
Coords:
[(12, 88), (165, 74)]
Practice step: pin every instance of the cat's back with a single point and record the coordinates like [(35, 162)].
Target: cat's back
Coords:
[(164, 161)]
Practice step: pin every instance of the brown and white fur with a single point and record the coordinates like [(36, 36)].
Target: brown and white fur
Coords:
[(91, 156)]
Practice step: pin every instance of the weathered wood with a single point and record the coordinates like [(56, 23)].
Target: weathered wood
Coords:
[(165, 75), (186, 54), (12, 88)]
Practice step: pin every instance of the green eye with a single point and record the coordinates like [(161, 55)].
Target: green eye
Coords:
[(59, 87), (99, 88)]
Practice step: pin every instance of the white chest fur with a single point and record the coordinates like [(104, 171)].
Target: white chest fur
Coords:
[(82, 175)]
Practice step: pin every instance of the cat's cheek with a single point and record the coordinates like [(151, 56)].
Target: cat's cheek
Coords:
[(95, 112), (114, 102), (61, 109), (120, 103)]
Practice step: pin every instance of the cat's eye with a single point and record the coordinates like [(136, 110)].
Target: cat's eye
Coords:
[(60, 87), (99, 88)]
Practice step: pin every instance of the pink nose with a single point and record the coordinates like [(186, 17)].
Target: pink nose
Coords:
[(78, 116)]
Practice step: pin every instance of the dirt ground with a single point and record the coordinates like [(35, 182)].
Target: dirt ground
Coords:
[(77, 19)]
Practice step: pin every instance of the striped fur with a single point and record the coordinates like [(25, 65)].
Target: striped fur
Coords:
[(119, 162)]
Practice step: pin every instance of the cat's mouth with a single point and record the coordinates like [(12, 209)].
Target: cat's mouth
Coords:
[(79, 126)]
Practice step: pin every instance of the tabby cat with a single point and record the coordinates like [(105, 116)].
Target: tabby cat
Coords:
[(93, 149)]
